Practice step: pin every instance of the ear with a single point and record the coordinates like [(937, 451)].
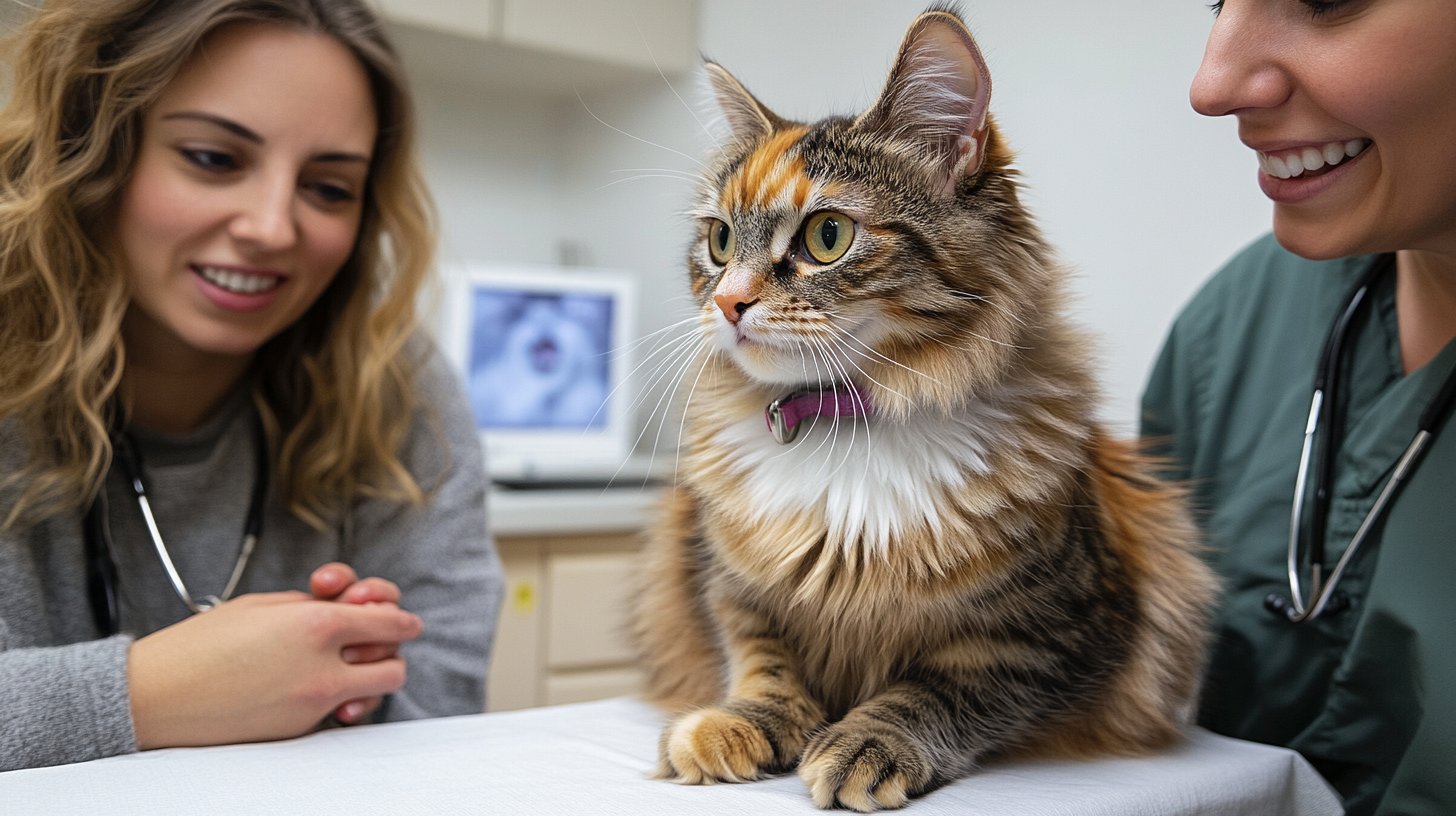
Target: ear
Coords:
[(937, 95), (747, 117)]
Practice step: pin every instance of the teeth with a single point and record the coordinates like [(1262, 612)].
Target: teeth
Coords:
[(1313, 159), (238, 282), (1310, 159)]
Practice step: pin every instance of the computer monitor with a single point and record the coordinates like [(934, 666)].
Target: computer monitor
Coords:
[(543, 353)]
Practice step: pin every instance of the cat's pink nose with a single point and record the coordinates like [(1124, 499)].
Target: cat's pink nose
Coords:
[(736, 291), (732, 305)]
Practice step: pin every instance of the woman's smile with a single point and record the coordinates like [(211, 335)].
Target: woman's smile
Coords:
[(243, 207)]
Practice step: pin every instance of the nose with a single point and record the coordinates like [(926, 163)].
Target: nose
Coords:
[(732, 306), (737, 291), (265, 218), (1241, 68)]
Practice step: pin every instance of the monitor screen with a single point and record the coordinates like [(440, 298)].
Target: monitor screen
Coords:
[(539, 359), (544, 358)]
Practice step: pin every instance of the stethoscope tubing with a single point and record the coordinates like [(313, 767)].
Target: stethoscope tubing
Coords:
[(1322, 406), (102, 577)]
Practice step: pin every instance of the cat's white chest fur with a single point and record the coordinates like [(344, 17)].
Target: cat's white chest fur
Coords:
[(871, 480)]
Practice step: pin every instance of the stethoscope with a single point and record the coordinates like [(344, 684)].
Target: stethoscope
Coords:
[(101, 578), (1321, 445)]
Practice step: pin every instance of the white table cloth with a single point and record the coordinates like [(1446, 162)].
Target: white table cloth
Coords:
[(594, 758)]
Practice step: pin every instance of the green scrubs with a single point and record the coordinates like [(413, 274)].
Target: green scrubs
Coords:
[(1367, 694)]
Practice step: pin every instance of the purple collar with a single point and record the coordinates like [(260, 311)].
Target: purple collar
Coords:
[(784, 414)]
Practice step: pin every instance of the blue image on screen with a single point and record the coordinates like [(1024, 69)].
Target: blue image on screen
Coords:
[(539, 360)]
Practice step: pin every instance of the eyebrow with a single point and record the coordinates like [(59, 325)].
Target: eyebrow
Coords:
[(245, 133)]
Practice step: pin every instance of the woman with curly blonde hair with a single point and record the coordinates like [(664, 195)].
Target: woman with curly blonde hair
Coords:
[(212, 237)]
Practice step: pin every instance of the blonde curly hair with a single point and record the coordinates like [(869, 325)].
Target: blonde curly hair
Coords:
[(335, 390)]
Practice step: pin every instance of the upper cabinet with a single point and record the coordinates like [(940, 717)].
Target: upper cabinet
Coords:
[(479, 19), (543, 46)]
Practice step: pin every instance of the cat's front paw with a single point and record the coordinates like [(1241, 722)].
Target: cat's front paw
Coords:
[(864, 766), (713, 745)]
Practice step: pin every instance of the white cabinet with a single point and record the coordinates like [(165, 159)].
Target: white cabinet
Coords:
[(562, 635), (543, 46), (466, 18), (643, 34)]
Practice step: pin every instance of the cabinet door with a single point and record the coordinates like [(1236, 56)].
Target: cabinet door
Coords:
[(514, 679), (562, 633), (467, 18), (581, 687), (587, 594), (625, 32)]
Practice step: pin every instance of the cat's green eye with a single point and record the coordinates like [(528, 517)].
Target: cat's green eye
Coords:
[(827, 235), (720, 241)]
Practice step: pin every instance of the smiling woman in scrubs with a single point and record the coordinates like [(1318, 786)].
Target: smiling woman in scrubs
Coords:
[(1349, 110)]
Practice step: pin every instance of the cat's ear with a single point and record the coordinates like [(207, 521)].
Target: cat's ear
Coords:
[(937, 95), (747, 117)]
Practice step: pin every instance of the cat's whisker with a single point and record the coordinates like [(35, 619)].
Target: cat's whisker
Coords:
[(652, 336), (670, 396), (658, 407), (808, 430), (685, 332), (857, 367), (663, 368), (647, 142), (877, 354), (988, 301), (687, 175), (664, 348), (828, 436), (640, 177), (661, 371), (814, 383), (853, 425), (670, 87), (863, 409), (664, 400), (979, 298), (667, 347), (835, 368), (983, 339), (855, 396), (682, 427), (963, 295)]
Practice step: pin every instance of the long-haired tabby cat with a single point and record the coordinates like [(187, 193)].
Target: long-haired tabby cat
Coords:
[(938, 557)]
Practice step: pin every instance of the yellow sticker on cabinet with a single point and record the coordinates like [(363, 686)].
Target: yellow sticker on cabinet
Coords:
[(523, 598)]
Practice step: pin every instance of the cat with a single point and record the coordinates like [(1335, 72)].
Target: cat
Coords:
[(940, 558)]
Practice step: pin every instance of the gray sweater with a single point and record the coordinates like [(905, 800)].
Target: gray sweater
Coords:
[(63, 689)]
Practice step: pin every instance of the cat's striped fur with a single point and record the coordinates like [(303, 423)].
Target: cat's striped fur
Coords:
[(975, 569)]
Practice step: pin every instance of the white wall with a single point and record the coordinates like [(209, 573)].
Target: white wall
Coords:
[(493, 163), (1143, 197)]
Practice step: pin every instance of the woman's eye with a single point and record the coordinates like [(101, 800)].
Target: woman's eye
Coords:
[(720, 241), (1319, 8), (214, 160), (827, 236), (332, 193)]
